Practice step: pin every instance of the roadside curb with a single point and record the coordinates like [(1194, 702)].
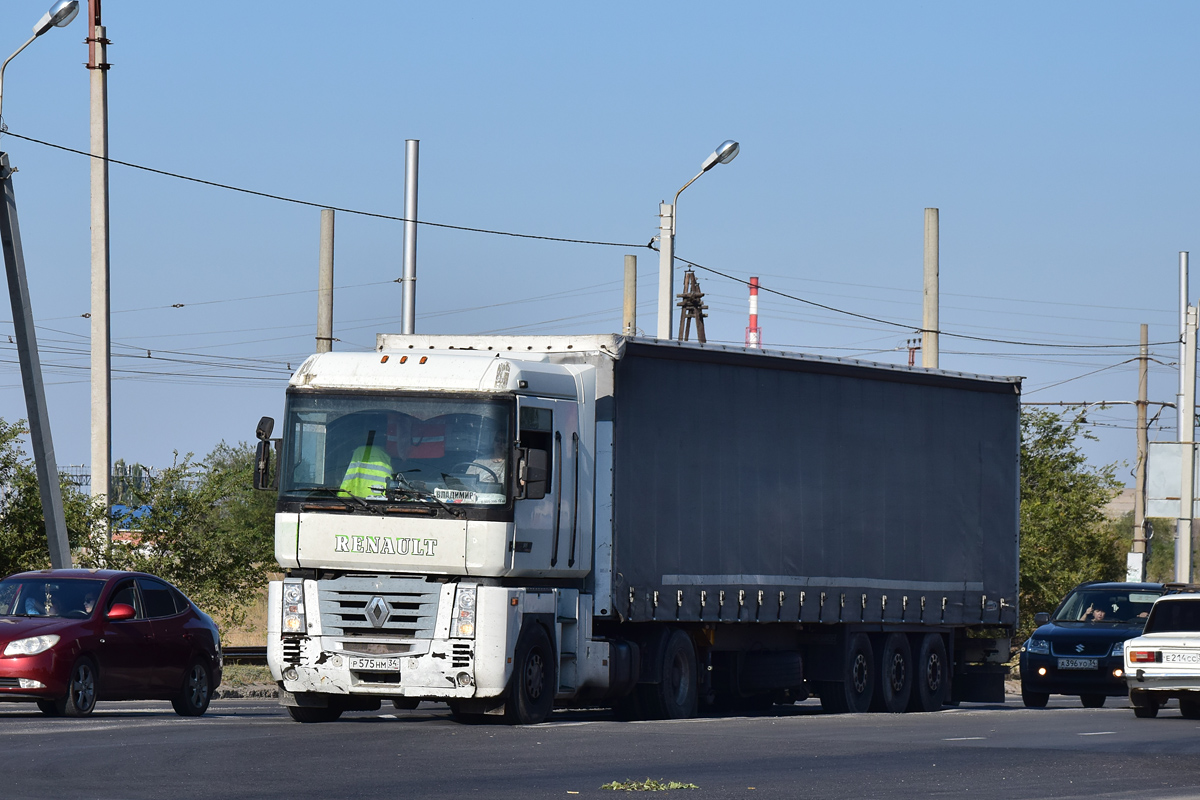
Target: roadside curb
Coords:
[(247, 691)]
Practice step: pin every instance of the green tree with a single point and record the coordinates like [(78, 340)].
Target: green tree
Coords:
[(1064, 536), (204, 528), (23, 544)]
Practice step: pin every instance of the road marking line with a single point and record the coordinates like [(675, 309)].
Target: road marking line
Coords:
[(964, 739), (1098, 733)]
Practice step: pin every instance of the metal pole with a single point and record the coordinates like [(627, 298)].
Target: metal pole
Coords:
[(1183, 306), (1183, 535), (408, 310), (629, 316), (666, 268), (929, 324), (31, 376), (325, 284), (1137, 564), (101, 361)]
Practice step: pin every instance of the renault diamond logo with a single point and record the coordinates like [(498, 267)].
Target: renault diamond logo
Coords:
[(1079, 648), (377, 611)]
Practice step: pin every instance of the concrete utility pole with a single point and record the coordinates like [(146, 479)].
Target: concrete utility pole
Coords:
[(666, 268), (101, 485), (1183, 307), (1136, 562), (929, 323), (31, 374), (629, 317), (1183, 533), (325, 284), (408, 308)]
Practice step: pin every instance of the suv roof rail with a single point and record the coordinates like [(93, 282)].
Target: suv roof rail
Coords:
[(1177, 588)]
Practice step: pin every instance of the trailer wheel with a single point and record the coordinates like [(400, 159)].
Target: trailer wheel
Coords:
[(894, 672), (855, 691), (931, 677), (674, 694), (534, 679)]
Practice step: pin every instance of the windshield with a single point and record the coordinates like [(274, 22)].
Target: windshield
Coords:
[(1175, 616), (396, 449), (39, 597), (1106, 605)]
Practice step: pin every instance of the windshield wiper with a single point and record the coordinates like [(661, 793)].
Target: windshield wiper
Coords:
[(342, 495), (406, 489)]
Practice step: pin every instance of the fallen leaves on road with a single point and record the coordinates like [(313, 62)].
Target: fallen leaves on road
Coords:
[(648, 785)]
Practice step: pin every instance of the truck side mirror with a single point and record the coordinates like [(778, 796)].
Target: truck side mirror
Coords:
[(531, 474), (1041, 618), (263, 479), (263, 431)]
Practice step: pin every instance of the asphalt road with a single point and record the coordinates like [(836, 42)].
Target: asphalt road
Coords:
[(251, 749)]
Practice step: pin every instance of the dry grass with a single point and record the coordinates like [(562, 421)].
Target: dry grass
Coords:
[(253, 632)]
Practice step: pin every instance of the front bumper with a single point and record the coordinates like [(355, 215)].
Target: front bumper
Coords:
[(1108, 678), (50, 668)]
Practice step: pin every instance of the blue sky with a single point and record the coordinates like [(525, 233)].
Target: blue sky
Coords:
[(1056, 140)]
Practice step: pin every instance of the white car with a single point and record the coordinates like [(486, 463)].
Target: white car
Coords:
[(1164, 662)]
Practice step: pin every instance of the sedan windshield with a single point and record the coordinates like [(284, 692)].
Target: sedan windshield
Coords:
[(39, 597), (1106, 605), (396, 449)]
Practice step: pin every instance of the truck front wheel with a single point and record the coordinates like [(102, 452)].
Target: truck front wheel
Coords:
[(534, 679)]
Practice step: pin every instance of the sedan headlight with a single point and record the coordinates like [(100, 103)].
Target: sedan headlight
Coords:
[(1040, 647), (294, 619), (1118, 649), (463, 624), (31, 646)]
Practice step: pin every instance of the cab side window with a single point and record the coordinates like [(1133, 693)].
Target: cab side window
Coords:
[(537, 433), (159, 602), (125, 592)]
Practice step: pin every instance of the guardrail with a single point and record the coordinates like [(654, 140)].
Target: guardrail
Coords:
[(246, 655)]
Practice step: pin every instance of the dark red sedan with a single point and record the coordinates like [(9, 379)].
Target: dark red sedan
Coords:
[(71, 637)]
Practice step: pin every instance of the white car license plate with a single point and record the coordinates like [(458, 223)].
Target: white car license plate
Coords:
[(374, 664), (1181, 658), (1078, 663)]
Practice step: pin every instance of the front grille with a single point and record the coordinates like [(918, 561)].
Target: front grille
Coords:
[(347, 609), (1070, 649), (461, 657), (291, 650), (376, 648), (10, 683)]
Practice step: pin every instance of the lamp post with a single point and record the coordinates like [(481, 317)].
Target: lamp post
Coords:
[(31, 367), (726, 152)]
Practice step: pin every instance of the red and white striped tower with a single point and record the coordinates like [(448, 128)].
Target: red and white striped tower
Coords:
[(753, 333)]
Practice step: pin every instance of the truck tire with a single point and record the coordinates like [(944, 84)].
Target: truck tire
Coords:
[(673, 666), (931, 676), (894, 675), (854, 693), (534, 679), (313, 714)]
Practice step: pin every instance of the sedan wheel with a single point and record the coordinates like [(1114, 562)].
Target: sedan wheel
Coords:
[(81, 691), (193, 697)]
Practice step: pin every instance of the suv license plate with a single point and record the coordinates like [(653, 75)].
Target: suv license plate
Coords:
[(1181, 658), (374, 664), (1078, 663)]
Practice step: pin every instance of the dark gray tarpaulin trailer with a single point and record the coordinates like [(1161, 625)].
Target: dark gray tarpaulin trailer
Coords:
[(756, 486)]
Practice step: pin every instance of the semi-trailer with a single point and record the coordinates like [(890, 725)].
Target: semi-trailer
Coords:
[(514, 524)]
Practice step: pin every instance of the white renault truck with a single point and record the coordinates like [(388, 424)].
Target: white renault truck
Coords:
[(513, 524)]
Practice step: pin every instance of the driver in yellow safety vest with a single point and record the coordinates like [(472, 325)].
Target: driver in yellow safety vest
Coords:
[(369, 471)]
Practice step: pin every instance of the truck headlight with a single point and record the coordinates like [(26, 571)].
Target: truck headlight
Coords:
[(462, 625), (31, 646), (294, 620), (1040, 647)]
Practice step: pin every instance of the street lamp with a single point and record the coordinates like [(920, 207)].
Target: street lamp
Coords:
[(726, 152), (60, 14)]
